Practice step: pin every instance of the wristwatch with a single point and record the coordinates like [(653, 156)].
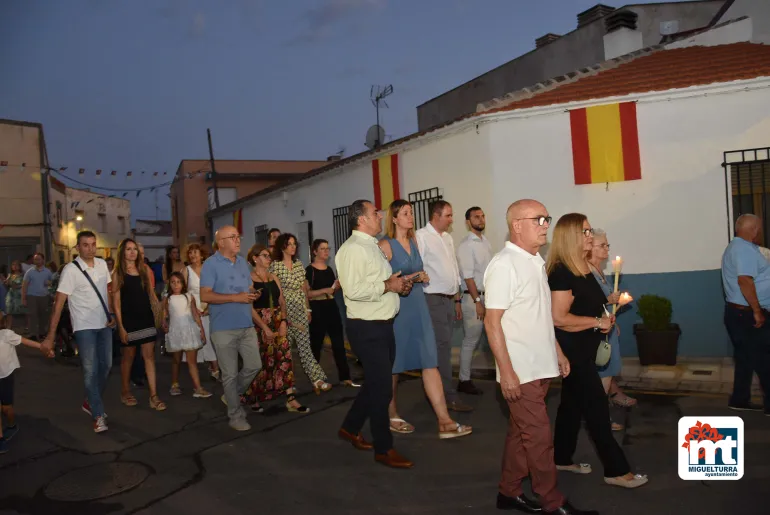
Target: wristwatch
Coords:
[(477, 300)]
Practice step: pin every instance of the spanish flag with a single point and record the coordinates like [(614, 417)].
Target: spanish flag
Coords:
[(238, 220), (605, 144), (385, 175)]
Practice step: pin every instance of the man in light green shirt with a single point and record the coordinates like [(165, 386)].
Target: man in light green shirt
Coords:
[(370, 289)]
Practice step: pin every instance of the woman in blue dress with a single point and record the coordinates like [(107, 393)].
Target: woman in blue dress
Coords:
[(415, 340), (600, 254)]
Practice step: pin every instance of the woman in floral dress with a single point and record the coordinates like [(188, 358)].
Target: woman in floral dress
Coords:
[(289, 271), (13, 303), (269, 314)]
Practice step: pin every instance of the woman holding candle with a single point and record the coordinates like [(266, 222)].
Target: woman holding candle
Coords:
[(599, 254), (581, 321)]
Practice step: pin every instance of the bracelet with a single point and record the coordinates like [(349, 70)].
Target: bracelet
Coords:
[(598, 323)]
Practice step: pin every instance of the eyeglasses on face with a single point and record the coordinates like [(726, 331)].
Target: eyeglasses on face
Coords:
[(603, 245), (265, 255), (587, 232), (232, 237), (541, 220)]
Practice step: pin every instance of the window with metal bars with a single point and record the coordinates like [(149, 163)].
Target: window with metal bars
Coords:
[(747, 178), (260, 234), (341, 226), (421, 202)]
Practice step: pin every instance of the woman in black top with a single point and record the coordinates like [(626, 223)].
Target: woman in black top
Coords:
[(326, 315), (580, 320)]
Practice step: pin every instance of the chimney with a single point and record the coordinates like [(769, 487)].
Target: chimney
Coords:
[(594, 13), (335, 157), (621, 36), (544, 40)]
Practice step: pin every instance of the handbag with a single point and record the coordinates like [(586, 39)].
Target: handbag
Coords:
[(157, 311)]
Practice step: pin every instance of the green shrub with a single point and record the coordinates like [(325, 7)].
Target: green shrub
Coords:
[(655, 312)]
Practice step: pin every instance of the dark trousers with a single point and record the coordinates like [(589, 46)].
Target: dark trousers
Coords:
[(326, 320), (529, 449), (375, 345), (751, 347), (583, 397)]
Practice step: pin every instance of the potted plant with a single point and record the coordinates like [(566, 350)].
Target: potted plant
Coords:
[(657, 339)]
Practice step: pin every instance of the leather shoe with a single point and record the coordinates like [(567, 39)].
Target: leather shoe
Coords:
[(458, 406), (519, 503), (568, 509), (393, 459), (356, 440), (469, 388)]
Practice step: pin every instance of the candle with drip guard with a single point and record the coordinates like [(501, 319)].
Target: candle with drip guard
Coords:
[(617, 264)]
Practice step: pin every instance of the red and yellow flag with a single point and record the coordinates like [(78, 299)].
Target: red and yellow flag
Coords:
[(385, 176), (238, 220), (605, 144)]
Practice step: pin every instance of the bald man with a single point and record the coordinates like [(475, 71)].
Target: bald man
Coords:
[(746, 282), (527, 356), (226, 287)]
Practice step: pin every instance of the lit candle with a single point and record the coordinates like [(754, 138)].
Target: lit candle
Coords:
[(617, 264)]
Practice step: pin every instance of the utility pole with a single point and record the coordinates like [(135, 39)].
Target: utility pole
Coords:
[(213, 171)]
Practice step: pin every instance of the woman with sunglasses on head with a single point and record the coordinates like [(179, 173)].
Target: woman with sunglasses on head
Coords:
[(581, 321), (287, 267), (269, 314), (597, 257)]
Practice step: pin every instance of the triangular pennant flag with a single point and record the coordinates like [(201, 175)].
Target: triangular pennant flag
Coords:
[(154, 174), (114, 173), (98, 174), (128, 175), (138, 193), (152, 189), (81, 171), (62, 168), (124, 195), (3, 165), (23, 165)]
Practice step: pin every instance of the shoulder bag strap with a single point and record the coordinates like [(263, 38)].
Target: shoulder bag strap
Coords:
[(98, 294)]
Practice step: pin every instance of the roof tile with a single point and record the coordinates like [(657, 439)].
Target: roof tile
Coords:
[(659, 71)]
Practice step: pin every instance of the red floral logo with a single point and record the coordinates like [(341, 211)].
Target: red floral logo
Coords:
[(700, 432)]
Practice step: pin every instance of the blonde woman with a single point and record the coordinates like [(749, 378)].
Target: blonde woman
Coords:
[(581, 321), (415, 340)]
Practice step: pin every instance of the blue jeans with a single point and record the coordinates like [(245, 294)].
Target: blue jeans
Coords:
[(95, 349)]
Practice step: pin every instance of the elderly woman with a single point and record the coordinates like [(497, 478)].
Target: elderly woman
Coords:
[(581, 321), (598, 256), (596, 259)]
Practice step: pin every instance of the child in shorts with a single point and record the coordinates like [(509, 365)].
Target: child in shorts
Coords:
[(9, 362)]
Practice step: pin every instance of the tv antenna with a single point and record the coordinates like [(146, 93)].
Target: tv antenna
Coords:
[(377, 95)]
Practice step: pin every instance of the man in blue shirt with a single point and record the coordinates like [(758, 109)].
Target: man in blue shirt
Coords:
[(746, 281), (226, 287), (34, 296)]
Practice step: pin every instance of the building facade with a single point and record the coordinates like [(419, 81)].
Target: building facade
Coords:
[(23, 214), (557, 55), (697, 108), (155, 236), (192, 193)]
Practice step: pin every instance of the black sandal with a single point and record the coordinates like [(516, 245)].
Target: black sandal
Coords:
[(300, 409)]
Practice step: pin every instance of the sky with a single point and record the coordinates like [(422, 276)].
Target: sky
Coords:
[(134, 85)]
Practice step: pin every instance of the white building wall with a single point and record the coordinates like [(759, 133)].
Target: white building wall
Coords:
[(673, 219)]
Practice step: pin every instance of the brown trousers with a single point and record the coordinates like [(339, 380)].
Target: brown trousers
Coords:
[(529, 447)]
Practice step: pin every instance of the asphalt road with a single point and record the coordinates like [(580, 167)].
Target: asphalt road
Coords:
[(187, 460)]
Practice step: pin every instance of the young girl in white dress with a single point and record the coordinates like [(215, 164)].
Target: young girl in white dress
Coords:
[(185, 334)]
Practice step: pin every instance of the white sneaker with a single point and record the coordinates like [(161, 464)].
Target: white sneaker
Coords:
[(100, 425), (240, 424)]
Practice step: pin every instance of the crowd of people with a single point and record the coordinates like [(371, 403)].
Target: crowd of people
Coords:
[(244, 316)]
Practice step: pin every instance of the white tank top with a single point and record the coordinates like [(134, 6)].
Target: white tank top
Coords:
[(179, 306), (194, 287)]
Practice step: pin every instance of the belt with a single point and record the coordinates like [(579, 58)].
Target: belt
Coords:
[(741, 307), (389, 321), (442, 295), (468, 293)]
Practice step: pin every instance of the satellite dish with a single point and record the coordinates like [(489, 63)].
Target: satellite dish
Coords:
[(375, 137)]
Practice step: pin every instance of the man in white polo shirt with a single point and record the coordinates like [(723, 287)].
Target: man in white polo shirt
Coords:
[(92, 321), (521, 335)]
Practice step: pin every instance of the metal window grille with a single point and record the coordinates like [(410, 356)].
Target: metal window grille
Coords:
[(260, 234), (421, 202), (747, 180), (341, 226)]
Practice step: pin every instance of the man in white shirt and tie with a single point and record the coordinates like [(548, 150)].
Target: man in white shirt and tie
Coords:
[(443, 292), (473, 255)]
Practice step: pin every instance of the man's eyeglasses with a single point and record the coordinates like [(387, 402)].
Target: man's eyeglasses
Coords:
[(587, 232), (541, 220), (233, 237)]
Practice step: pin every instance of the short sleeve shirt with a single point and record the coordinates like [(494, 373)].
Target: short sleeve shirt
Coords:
[(743, 258), (86, 310), (588, 301), (9, 361), (515, 281), (226, 277), (36, 280)]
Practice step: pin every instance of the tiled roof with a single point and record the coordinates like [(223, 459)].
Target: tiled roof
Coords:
[(660, 70)]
